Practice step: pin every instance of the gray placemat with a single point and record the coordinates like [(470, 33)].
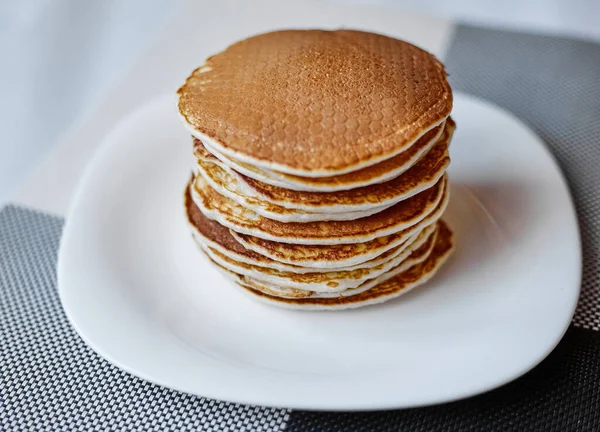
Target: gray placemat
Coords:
[(553, 85), (49, 379)]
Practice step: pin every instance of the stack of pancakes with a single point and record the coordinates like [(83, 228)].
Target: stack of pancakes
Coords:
[(320, 164)]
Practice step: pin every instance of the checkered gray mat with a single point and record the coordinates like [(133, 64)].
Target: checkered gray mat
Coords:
[(51, 381), (553, 85)]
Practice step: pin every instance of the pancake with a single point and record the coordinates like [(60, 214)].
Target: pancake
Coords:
[(330, 282), (275, 265), (315, 103), (336, 255), (223, 184), (378, 173), (393, 287), (423, 175), (228, 183), (244, 221), (416, 256), (211, 234), (341, 205)]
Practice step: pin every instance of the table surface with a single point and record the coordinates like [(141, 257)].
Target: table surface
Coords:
[(76, 68)]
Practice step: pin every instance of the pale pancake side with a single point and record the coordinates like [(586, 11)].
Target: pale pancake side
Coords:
[(315, 103), (409, 259), (244, 221)]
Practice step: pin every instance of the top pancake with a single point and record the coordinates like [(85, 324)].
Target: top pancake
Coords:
[(315, 103)]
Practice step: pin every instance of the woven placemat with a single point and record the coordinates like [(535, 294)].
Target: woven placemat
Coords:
[(51, 381)]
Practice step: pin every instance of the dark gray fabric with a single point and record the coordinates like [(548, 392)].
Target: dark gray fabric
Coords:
[(561, 394), (553, 85), (51, 381)]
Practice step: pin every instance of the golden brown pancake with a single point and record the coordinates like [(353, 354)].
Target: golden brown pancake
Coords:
[(214, 231), (336, 255), (324, 282), (321, 159), (315, 103), (422, 175), (230, 184), (214, 235), (396, 218), (391, 288), (416, 256)]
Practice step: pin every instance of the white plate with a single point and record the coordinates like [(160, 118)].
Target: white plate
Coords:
[(139, 292)]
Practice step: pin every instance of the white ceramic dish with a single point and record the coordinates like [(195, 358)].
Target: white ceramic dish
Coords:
[(138, 291)]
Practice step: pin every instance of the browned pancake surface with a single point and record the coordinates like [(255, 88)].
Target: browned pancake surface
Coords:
[(317, 101)]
